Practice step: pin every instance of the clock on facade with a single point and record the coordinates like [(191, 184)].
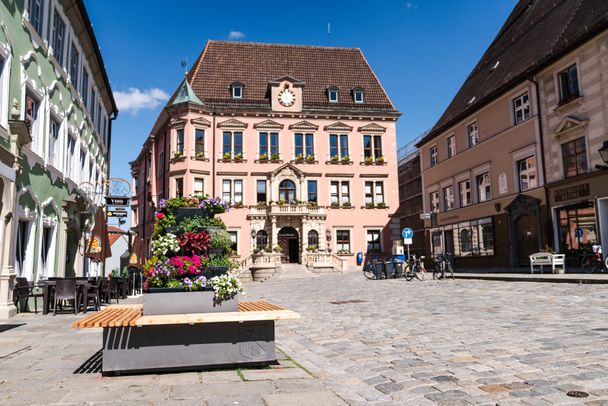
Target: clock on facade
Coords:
[(286, 97)]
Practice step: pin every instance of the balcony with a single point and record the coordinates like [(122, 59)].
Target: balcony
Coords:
[(286, 210)]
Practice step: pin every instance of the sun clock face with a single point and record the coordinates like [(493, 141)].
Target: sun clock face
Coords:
[(286, 97)]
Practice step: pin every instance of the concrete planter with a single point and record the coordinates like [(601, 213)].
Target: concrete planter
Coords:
[(186, 302)]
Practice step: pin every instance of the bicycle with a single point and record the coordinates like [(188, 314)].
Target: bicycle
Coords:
[(414, 267), (595, 262), (443, 266), (376, 270), (369, 271)]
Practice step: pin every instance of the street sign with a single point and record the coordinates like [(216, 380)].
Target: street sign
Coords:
[(116, 213), (407, 234), (119, 201)]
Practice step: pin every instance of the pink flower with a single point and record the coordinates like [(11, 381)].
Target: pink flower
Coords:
[(160, 216)]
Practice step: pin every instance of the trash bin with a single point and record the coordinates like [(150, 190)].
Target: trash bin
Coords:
[(389, 269), (398, 268), (379, 270)]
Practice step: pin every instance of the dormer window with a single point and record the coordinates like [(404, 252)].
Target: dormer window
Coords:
[(358, 95), (332, 94), (237, 90)]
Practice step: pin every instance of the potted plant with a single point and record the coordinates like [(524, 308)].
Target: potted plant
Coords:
[(381, 205), (238, 157), (369, 160), (227, 156), (311, 248), (335, 204), (299, 157), (346, 159), (263, 157), (178, 154), (280, 202), (335, 158), (310, 158), (277, 249), (275, 157), (200, 154), (369, 205), (238, 205), (346, 204), (312, 204), (380, 159)]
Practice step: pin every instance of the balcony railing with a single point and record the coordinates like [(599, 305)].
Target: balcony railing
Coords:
[(286, 209)]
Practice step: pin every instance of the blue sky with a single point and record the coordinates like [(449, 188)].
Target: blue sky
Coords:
[(421, 50)]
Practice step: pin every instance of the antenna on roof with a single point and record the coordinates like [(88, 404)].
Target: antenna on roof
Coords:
[(185, 66)]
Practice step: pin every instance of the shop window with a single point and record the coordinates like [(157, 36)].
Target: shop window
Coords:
[(577, 228), (466, 239)]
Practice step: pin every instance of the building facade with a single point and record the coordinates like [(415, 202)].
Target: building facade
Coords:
[(55, 111), (492, 167), (574, 100), (304, 150)]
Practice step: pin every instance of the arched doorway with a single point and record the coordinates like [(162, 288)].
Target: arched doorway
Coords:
[(289, 241), (287, 191)]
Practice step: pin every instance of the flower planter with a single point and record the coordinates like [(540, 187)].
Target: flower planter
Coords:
[(184, 212), (212, 271), (171, 302)]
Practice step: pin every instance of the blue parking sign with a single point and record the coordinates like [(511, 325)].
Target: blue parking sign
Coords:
[(407, 233)]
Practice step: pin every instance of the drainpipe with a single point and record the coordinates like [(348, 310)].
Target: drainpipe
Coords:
[(213, 157), (548, 229)]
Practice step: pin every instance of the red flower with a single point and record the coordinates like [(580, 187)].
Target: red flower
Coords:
[(160, 216)]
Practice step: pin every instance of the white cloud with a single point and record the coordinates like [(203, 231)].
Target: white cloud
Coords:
[(236, 35), (135, 99), (411, 6)]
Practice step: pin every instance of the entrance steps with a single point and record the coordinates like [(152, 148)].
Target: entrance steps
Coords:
[(294, 271)]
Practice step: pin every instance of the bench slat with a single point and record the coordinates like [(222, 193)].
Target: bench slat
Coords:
[(220, 317)]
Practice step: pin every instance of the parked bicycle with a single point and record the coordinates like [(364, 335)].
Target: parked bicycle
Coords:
[(595, 262), (442, 267), (414, 267)]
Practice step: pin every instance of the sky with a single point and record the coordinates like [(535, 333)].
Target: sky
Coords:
[(421, 50)]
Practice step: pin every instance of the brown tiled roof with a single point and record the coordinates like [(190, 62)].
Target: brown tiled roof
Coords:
[(112, 236), (536, 33), (255, 64)]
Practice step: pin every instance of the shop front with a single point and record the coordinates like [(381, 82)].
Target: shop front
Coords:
[(580, 215)]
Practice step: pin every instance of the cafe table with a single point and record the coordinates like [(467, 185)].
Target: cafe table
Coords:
[(48, 289)]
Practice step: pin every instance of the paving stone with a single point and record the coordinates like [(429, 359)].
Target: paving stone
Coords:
[(389, 387), (303, 399), (274, 374), (246, 400)]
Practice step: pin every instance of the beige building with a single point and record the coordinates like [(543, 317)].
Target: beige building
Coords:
[(484, 181)]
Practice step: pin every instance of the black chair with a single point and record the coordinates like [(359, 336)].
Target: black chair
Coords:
[(24, 290), (109, 290), (65, 289), (94, 293)]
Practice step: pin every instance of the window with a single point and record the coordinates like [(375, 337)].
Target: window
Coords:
[(448, 198), (373, 242), (521, 108), (334, 193), (22, 239), (234, 241), (47, 238), (372, 146), (179, 142), (473, 134), (84, 92), (469, 238), (304, 145), (568, 84), (577, 227), (198, 187), (36, 12), (52, 153), (434, 200), (232, 191), (179, 187), (261, 240), (434, 155), (74, 63), (451, 146), (343, 241), (232, 144), (340, 193), (332, 94), (69, 157), (58, 37), (464, 190), (526, 169), (313, 239), (199, 142), (261, 191), (287, 191), (338, 146), (266, 152), (237, 91), (92, 104), (374, 193), (161, 164), (312, 191), (32, 107), (484, 191), (574, 155), (358, 95)]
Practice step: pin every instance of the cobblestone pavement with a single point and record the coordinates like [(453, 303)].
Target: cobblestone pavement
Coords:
[(447, 342), (406, 343)]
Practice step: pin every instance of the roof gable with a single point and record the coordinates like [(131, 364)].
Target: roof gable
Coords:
[(232, 124), (339, 126), (372, 128), (304, 125), (268, 125)]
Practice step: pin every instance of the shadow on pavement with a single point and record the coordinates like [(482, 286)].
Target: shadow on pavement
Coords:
[(91, 365)]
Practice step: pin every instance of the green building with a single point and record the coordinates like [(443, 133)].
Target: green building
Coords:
[(56, 112)]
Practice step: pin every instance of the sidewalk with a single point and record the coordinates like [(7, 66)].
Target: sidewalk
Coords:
[(522, 274)]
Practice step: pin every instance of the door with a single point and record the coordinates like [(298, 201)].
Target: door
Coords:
[(527, 238), (289, 242)]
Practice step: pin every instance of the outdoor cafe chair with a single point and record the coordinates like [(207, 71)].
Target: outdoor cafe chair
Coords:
[(94, 293), (24, 291), (65, 289)]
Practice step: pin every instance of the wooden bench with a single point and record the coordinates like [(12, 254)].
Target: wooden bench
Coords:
[(136, 343), (541, 259)]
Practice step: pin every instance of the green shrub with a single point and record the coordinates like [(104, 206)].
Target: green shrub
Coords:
[(198, 223)]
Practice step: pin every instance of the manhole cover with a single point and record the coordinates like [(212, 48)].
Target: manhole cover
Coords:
[(341, 302), (577, 394)]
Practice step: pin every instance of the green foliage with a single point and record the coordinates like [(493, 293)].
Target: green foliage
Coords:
[(198, 223), (222, 260), (220, 239)]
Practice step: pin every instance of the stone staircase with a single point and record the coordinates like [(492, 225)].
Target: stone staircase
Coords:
[(294, 271)]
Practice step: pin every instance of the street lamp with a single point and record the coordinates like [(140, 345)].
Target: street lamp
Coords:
[(604, 155)]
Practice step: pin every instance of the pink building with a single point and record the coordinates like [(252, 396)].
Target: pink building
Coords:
[(300, 139)]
